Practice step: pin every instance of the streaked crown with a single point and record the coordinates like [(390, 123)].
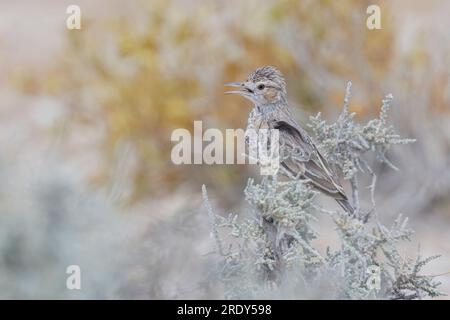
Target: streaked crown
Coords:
[(269, 73)]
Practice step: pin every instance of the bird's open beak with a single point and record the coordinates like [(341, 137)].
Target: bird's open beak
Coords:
[(246, 92)]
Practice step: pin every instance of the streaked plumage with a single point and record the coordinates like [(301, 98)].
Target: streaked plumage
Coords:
[(266, 88)]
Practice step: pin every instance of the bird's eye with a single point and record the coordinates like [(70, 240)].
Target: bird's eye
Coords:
[(261, 87)]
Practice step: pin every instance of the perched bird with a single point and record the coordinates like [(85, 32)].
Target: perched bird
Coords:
[(266, 88)]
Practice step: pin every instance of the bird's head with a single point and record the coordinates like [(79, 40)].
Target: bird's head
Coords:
[(264, 86)]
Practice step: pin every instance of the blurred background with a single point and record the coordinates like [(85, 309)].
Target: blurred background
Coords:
[(86, 117)]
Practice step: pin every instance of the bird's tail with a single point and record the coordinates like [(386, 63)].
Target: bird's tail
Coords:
[(345, 204)]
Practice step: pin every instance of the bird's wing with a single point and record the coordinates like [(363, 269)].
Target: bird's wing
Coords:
[(300, 155)]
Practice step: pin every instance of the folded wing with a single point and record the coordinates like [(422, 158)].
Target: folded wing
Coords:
[(299, 155)]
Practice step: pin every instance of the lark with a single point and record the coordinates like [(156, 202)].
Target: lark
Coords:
[(299, 155)]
